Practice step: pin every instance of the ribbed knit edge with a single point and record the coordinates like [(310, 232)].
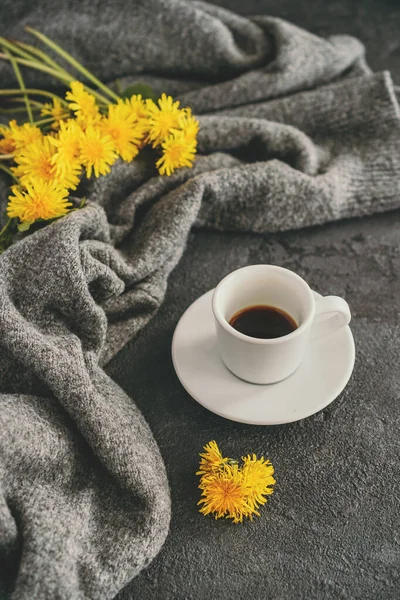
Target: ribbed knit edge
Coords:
[(379, 177)]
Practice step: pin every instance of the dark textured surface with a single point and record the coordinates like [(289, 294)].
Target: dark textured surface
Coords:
[(337, 542)]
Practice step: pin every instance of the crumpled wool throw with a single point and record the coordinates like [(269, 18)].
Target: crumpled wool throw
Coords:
[(295, 131)]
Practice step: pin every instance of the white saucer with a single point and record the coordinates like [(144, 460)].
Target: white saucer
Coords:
[(323, 374)]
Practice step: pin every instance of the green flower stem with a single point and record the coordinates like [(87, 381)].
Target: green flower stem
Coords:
[(17, 109), (34, 103), (40, 67), (14, 48), (44, 59), (43, 56), (33, 92), (6, 157), (21, 82), (45, 121), (71, 60), (32, 54), (6, 226), (9, 172), (29, 52), (66, 79)]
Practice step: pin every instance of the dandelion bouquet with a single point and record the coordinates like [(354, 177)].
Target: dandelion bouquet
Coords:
[(232, 490), (80, 134)]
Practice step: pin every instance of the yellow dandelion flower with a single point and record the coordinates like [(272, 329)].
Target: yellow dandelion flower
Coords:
[(162, 118), (41, 200), (97, 152), (67, 160), (230, 490), (7, 143), (83, 104), (258, 480), (225, 495), (139, 111), (25, 134), (138, 107), (57, 111), (123, 127), (211, 460), (35, 161), (189, 124), (177, 152)]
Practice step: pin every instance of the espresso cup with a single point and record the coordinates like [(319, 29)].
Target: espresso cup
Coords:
[(265, 361)]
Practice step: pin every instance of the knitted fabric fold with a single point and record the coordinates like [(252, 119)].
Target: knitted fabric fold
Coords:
[(295, 131)]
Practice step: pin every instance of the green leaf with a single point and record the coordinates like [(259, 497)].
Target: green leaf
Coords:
[(139, 88), (118, 87), (24, 226)]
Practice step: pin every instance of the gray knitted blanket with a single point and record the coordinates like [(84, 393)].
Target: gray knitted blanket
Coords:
[(295, 131)]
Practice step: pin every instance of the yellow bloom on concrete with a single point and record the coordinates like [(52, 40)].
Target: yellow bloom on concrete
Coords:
[(97, 151), (230, 490), (83, 104), (55, 110), (224, 495), (124, 128), (211, 460), (162, 118), (258, 480), (40, 200), (178, 152), (67, 160), (35, 161)]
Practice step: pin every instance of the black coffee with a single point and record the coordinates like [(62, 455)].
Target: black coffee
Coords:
[(265, 322)]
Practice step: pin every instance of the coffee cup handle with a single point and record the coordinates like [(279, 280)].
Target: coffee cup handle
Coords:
[(331, 313)]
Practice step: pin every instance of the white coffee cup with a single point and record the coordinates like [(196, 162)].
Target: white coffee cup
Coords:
[(270, 360)]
